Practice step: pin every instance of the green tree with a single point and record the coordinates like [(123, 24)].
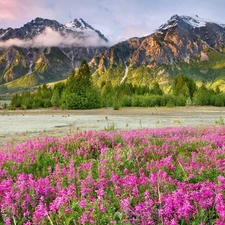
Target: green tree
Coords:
[(184, 86), (219, 100), (204, 96), (16, 101), (156, 90), (55, 100), (60, 87), (107, 89), (80, 92), (83, 76), (218, 90), (178, 85), (71, 85)]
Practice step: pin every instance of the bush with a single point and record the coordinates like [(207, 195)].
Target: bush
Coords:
[(127, 101), (116, 104), (219, 100)]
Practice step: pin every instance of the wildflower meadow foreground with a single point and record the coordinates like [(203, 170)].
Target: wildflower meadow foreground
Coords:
[(163, 176)]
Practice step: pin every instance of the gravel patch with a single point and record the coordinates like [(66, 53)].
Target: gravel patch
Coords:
[(17, 126)]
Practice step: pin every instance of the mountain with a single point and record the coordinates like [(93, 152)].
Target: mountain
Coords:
[(37, 26), (44, 51), (189, 45)]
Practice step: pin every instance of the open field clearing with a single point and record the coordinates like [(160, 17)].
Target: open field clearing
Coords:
[(17, 126)]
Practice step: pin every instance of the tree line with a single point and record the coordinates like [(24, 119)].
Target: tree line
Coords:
[(79, 92)]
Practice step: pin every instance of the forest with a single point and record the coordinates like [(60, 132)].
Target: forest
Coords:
[(79, 92)]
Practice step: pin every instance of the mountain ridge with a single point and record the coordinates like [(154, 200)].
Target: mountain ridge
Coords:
[(181, 43), (184, 44), (45, 51), (38, 25)]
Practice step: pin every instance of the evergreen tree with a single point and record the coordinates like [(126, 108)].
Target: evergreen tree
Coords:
[(185, 91), (156, 90), (184, 86), (16, 101), (83, 75), (218, 90), (71, 85), (107, 94), (178, 84), (55, 100), (60, 87), (203, 96), (79, 90), (107, 89), (191, 86)]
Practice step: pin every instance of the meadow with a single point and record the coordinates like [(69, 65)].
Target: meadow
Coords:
[(164, 176)]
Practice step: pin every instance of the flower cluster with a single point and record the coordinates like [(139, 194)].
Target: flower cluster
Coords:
[(149, 176)]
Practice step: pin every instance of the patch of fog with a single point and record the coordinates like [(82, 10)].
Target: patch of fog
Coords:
[(52, 38)]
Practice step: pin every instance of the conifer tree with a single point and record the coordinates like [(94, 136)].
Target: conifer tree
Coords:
[(55, 100), (83, 75), (79, 92)]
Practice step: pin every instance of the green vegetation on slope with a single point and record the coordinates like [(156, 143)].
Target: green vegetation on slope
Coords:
[(80, 93), (211, 70)]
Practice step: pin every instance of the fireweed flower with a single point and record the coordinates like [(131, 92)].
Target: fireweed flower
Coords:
[(144, 177), (125, 204), (82, 203), (40, 212), (102, 208), (100, 193), (7, 221)]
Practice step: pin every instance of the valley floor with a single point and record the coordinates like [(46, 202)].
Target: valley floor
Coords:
[(17, 126)]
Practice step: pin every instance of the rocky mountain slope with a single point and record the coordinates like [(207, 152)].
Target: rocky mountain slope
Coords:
[(184, 44), (44, 51)]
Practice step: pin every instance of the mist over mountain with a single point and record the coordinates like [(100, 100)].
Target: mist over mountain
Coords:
[(45, 50), (50, 33)]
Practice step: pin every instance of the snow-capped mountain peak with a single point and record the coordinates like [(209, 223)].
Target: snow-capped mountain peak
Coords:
[(80, 25), (75, 29), (193, 21), (76, 24)]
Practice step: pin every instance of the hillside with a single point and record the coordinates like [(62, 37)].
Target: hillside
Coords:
[(44, 50), (184, 44)]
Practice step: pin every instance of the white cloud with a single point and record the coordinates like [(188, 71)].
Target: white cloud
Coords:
[(51, 38), (115, 18)]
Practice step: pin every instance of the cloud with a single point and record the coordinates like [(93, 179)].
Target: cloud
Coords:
[(52, 38), (115, 18)]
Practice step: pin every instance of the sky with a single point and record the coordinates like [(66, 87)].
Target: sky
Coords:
[(117, 19)]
